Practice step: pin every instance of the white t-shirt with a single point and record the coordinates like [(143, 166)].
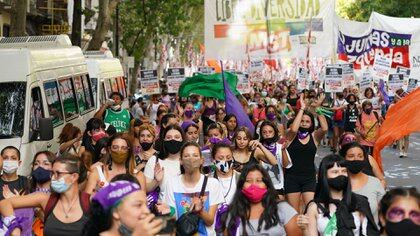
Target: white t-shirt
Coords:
[(276, 171), (153, 112), (179, 196), (228, 187), (340, 103), (286, 213), (171, 168)]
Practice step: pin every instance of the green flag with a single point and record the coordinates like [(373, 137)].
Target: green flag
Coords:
[(208, 85)]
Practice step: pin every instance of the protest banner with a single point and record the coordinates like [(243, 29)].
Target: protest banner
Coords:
[(238, 30), (244, 85), (366, 80), (302, 79), (381, 67), (348, 75), (206, 70), (406, 73), (149, 82), (333, 79), (395, 82), (256, 65), (412, 84), (174, 79)]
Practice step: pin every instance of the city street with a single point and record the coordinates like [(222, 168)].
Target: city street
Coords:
[(398, 172)]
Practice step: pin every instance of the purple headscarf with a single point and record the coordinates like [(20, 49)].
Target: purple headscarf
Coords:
[(115, 191)]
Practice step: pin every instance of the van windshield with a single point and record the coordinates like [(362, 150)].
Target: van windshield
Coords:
[(12, 100)]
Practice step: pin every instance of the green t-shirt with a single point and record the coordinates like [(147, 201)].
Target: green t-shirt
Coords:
[(119, 119)]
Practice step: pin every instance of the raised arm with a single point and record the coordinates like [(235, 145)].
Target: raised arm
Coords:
[(291, 133)]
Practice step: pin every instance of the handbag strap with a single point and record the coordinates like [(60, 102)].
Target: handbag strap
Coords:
[(203, 187)]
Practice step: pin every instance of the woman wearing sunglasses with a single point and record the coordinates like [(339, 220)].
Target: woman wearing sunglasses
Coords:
[(399, 212), (65, 210), (120, 161)]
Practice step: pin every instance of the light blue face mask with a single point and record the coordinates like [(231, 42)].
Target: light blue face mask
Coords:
[(59, 186)]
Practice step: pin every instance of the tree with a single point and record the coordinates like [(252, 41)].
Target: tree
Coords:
[(106, 8), (76, 28), (360, 10), (18, 20), (151, 26)]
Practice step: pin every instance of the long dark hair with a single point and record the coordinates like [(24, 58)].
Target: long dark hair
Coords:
[(346, 147), (163, 154), (323, 192), (272, 125), (228, 117), (50, 157), (241, 206), (129, 163)]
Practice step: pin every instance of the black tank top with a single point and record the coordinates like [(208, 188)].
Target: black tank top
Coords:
[(54, 226), (302, 156), (238, 166), (292, 101)]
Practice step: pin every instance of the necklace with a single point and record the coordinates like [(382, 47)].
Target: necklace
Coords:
[(230, 185), (66, 214)]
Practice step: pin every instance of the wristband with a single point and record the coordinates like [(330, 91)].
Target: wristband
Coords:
[(7, 220)]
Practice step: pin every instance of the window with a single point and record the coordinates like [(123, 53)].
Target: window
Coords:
[(12, 109), (94, 83), (54, 104), (80, 94), (37, 112), (121, 86), (107, 86), (88, 92), (114, 85), (68, 97)]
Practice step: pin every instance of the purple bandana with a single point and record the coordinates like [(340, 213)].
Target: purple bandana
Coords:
[(302, 135), (217, 140), (115, 191), (271, 147), (186, 124)]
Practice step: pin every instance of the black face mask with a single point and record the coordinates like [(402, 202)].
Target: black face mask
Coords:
[(172, 146), (355, 166), (352, 102), (269, 140), (146, 146), (405, 227), (304, 130), (41, 175), (338, 183)]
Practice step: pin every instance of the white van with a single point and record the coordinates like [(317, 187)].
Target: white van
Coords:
[(44, 84), (106, 74)]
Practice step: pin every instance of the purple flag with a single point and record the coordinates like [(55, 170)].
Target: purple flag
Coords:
[(383, 91), (233, 106)]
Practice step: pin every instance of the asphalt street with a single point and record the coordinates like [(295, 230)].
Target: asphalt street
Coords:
[(398, 171)]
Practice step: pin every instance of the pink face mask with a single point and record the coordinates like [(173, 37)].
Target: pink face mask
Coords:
[(254, 193), (98, 135)]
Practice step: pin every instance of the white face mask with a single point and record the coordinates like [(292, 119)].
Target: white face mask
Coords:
[(10, 167), (116, 107)]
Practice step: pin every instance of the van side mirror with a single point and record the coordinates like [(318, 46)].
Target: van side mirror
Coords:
[(46, 129)]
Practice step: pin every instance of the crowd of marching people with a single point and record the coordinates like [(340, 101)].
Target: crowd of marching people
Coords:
[(185, 166)]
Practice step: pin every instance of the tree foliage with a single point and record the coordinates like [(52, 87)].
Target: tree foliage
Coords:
[(360, 10), (151, 26)]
